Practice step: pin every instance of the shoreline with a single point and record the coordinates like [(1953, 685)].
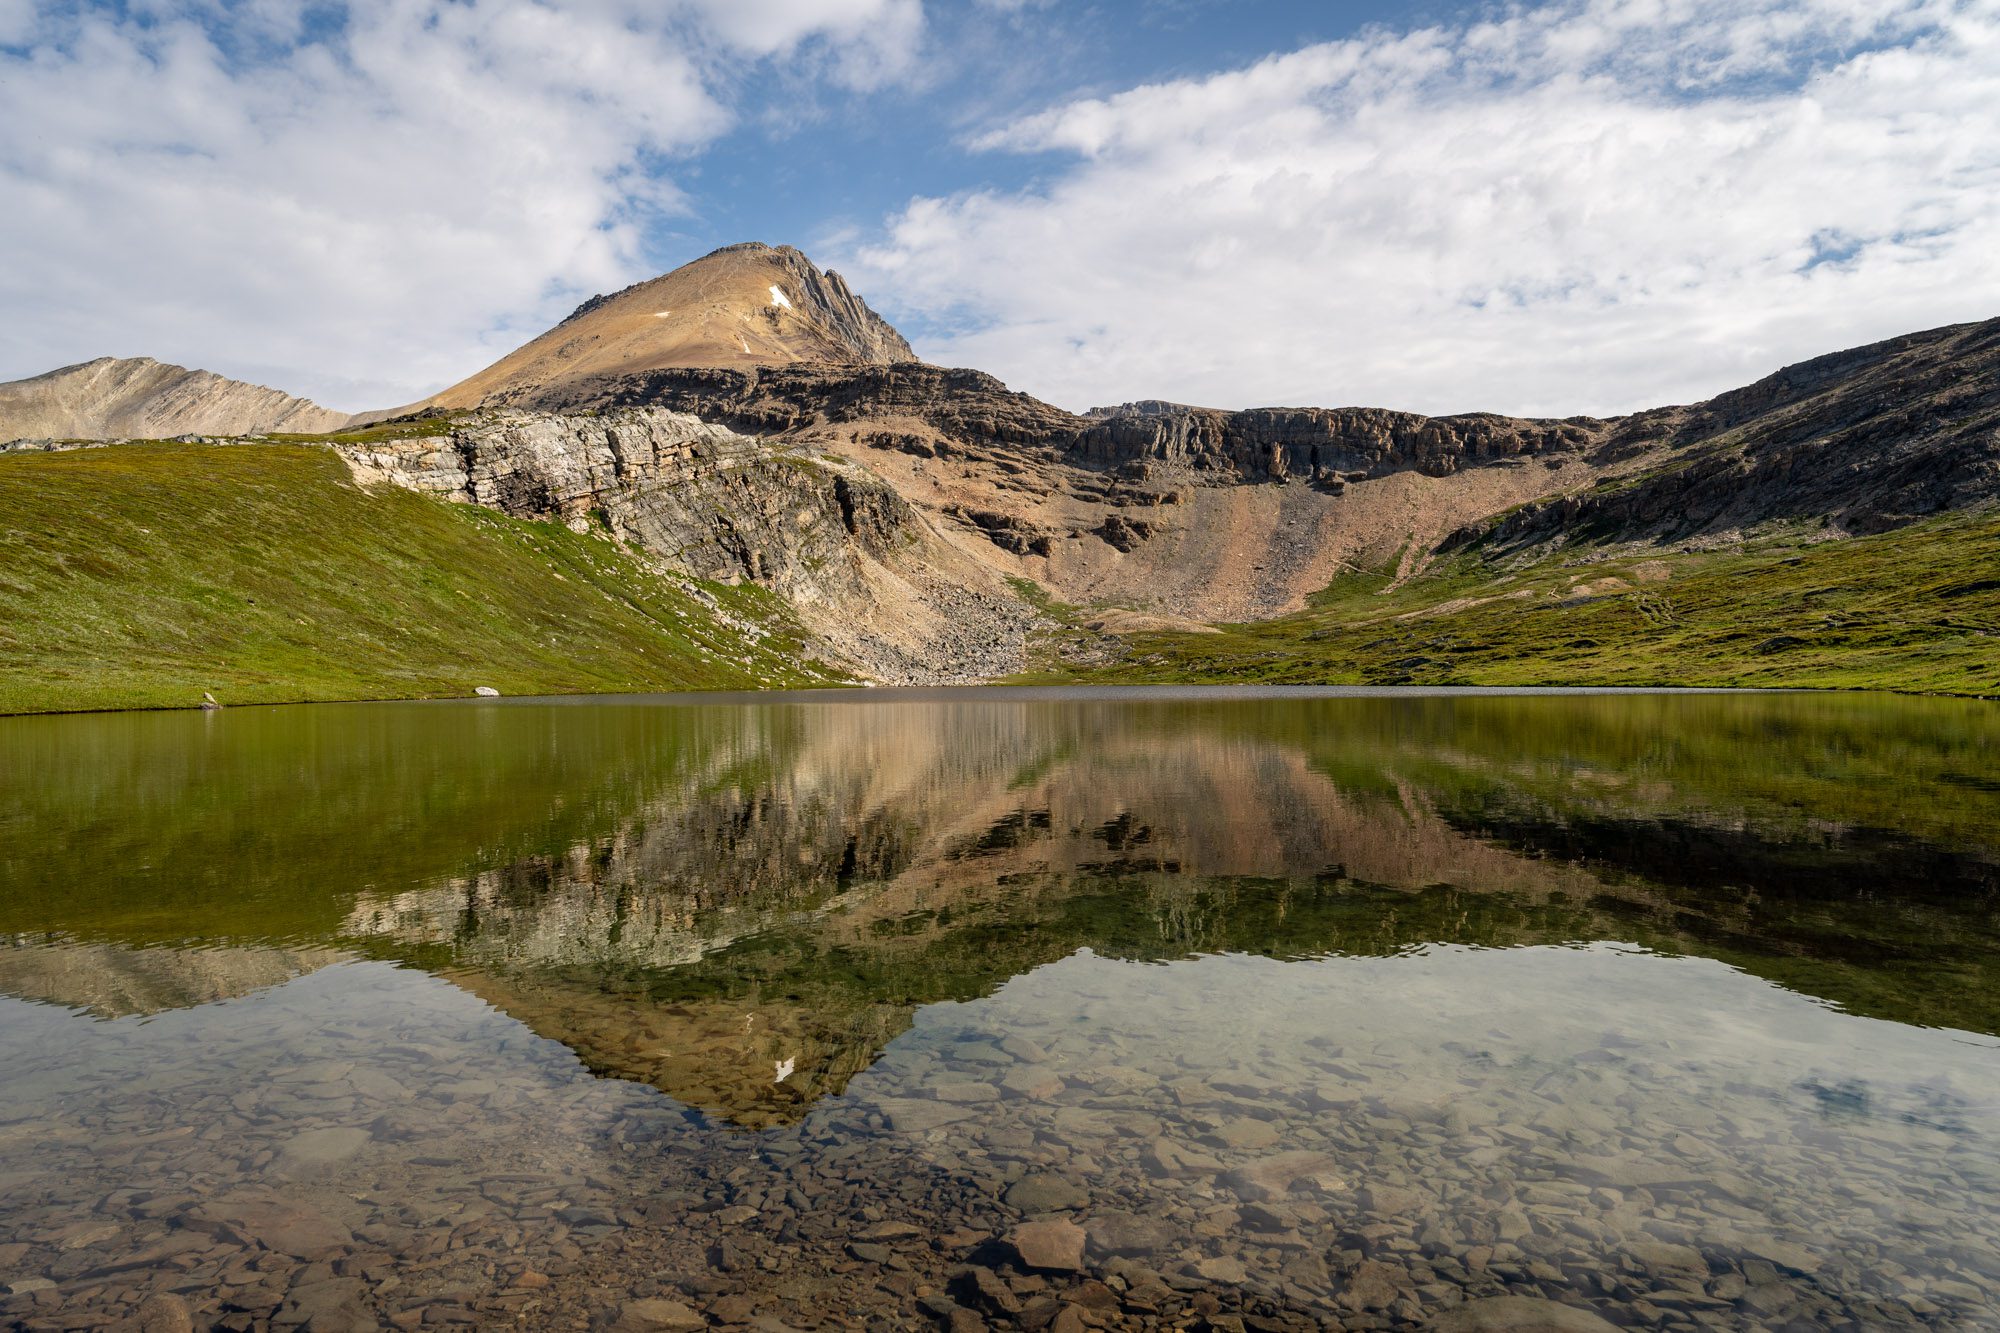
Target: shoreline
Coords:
[(1051, 693)]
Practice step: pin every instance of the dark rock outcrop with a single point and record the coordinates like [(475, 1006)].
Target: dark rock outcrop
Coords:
[(966, 405), (1325, 446)]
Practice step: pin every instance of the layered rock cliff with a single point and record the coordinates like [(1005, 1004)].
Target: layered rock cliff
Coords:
[(968, 406), (1154, 510), (140, 398), (1324, 446), (864, 569)]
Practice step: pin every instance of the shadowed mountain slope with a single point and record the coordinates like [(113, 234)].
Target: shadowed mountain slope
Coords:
[(1863, 441)]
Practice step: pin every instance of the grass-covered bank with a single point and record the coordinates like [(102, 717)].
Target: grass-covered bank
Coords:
[(1914, 610), (139, 576)]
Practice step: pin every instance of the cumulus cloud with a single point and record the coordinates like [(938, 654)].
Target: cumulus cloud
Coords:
[(862, 44), (366, 200), (1595, 205)]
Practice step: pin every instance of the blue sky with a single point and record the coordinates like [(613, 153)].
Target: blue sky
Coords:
[(1552, 207), (851, 161)]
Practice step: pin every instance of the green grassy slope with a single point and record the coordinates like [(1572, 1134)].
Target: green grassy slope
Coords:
[(140, 575), (1917, 609)]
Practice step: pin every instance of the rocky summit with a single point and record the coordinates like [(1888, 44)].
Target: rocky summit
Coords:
[(743, 305)]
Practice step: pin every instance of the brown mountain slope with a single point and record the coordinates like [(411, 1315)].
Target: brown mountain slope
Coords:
[(139, 398), (743, 305)]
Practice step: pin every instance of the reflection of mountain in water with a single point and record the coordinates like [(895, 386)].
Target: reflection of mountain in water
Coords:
[(112, 981), (724, 938), (744, 905), (791, 926)]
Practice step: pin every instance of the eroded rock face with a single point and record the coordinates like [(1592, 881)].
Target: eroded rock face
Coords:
[(713, 503), (1323, 445), (857, 561), (967, 405), (1869, 438)]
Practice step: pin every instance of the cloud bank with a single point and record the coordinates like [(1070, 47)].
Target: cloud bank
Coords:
[(1591, 206), (365, 200)]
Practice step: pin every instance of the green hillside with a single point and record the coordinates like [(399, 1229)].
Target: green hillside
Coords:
[(140, 575), (1917, 609)]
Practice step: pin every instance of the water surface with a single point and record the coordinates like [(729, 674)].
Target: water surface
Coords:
[(1323, 1009)]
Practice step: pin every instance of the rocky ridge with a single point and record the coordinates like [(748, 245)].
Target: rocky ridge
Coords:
[(138, 397), (1860, 441), (1155, 511), (1170, 510), (1183, 516)]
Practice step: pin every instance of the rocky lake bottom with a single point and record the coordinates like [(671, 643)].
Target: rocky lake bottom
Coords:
[(1286, 1011)]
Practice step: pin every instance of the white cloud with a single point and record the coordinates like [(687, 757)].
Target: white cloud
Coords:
[(369, 208), (865, 43), (17, 21), (1592, 206)]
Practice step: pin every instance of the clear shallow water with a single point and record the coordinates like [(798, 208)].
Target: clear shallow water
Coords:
[(1323, 1010)]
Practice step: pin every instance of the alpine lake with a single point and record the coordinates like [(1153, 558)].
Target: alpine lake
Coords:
[(1036, 1009)]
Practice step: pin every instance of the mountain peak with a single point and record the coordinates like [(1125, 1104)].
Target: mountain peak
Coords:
[(748, 304), (139, 398)]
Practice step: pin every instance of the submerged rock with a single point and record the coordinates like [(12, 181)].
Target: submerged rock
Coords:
[(1055, 1245), (1272, 1178), (1518, 1314), (1046, 1194), (654, 1316)]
